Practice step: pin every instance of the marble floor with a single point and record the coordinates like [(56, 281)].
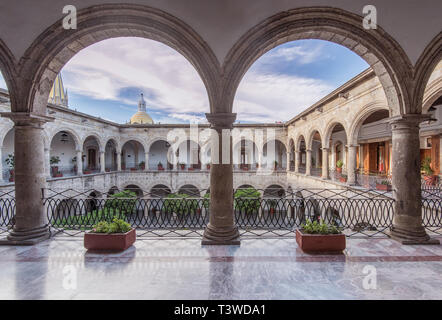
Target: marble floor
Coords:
[(182, 269)]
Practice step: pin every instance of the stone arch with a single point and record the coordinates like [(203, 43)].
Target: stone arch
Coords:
[(7, 68), (53, 48), (424, 67), (140, 141), (381, 51), (433, 89), (159, 190), (115, 141), (329, 131), (298, 140), (5, 131), (152, 141), (74, 135), (239, 185), (310, 136), (95, 136), (353, 132), (191, 188)]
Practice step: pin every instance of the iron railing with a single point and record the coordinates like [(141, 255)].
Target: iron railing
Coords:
[(272, 212)]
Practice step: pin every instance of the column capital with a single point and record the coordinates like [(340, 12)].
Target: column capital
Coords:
[(325, 149), (221, 120), (407, 120), (27, 118), (308, 150)]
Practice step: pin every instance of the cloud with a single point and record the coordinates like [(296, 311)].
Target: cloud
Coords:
[(188, 117), (297, 53), (274, 97)]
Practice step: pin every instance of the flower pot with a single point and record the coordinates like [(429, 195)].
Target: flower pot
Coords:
[(182, 166), (160, 167), (383, 187), (87, 172), (54, 170), (58, 175), (324, 243), (190, 169), (343, 179), (109, 241), (430, 180), (107, 170), (339, 170), (133, 169), (208, 166), (11, 175)]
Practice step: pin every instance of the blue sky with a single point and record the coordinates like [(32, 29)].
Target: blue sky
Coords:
[(105, 80)]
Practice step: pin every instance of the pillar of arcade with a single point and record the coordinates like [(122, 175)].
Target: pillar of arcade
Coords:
[(31, 223), (118, 160), (325, 174), (308, 162), (351, 165), (221, 229), (406, 179), (297, 160), (102, 162), (79, 162)]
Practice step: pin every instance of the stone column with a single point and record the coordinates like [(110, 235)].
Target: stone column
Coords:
[(79, 162), (297, 160), (31, 224), (221, 229), (102, 162), (325, 174), (333, 159), (406, 179), (47, 162), (118, 160), (308, 162), (351, 165), (146, 161), (288, 161)]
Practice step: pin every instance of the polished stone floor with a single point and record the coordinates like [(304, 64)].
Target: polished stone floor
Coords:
[(259, 269)]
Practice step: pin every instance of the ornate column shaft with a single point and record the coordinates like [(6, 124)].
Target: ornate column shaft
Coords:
[(118, 160), (325, 174), (297, 160), (102, 162), (221, 229), (308, 163), (146, 161), (287, 161), (351, 165), (406, 179), (31, 224), (79, 162)]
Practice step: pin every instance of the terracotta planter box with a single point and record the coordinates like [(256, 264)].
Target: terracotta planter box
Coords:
[(113, 241), (430, 180), (320, 243), (383, 187), (133, 169), (87, 172), (343, 179), (339, 170)]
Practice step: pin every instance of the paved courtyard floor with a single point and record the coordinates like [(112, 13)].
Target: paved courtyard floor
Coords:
[(182, 269)]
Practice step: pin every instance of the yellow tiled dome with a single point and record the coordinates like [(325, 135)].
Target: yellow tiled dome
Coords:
[(141, 118)]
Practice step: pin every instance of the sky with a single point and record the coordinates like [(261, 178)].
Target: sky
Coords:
[(106, 79)]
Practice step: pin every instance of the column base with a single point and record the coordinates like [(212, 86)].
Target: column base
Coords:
[(412, 237), (27, 237), (221, 236)]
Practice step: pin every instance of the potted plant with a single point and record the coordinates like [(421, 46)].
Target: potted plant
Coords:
[(272, 204), (160, 166), (320, 237), (133, 169), (339, 165), (343, 178), (383, 186), (429, 177), (208, 166), (117, 235), (10, 161), (245, 167), (182, 165), (54, 168), (275, 164), (142, 165)]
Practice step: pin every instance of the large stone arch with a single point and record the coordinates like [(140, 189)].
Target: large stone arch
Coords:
[(356, 123), (299, 138), (56, 46), (433, 89), (115, 140), (310, 135), (94, 135), (425, 66), (7, 68), (375, 46), (329, 130), (127, 139), (78, 141)]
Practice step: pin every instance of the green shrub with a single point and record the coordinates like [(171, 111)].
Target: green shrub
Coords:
[(316, 227), (247, 200), (426, 166), (121, 203), (116, 226), (339, 163), (180, 203)]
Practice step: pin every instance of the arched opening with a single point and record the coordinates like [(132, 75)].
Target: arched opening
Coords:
[(274, 155), (135, 189), (133, 156), (190, 190), (91, 155), (7, 156), (245, 155), (92, 202), (291, 155), (112, 191), (373, 138), (301, 160), (188, 155), (110, 156), (316, 154), (62, 155), (336, 137), (160, 191), (158, 156)]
